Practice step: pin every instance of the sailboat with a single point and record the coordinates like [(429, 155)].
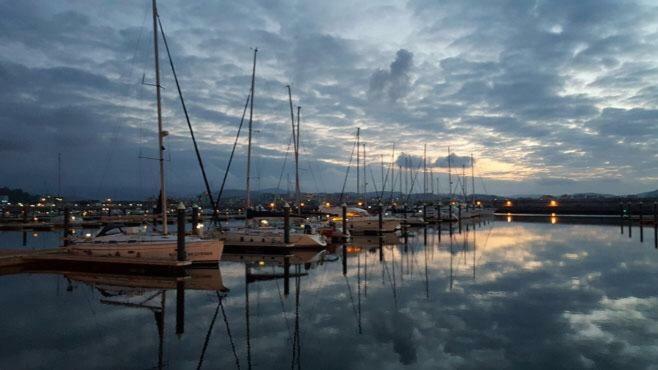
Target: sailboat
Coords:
[(140, 242), (251, 236)]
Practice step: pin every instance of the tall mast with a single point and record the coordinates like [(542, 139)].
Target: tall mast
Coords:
[(424, 170), (472, 181), (251, 120), (464, 182), (294, 130), (358, 160), (382, 159), (365, 177), (298, 195), (59, 174), (450, 174), (161, 133)]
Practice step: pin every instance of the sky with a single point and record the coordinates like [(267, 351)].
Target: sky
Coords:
[(550, 97)]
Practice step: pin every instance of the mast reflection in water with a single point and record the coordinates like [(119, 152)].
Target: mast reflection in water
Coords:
[(499, 294)]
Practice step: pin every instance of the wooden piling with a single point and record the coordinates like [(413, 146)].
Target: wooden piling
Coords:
[(621, 217), (181, 254), (286, 223), (459, 216), (67, 226), (641, 211), (381, 219), (630, 220)]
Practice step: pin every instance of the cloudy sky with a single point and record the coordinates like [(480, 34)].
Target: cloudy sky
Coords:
[(549, 96)]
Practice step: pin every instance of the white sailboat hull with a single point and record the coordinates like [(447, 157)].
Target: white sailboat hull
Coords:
[(371, 224), (198, 250)]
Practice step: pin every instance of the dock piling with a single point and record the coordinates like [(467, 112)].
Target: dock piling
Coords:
[(286, 223), (630, 219), (181, 254), (459, 216), (641, 211), (621, 217), (381, 219), (67, 226)]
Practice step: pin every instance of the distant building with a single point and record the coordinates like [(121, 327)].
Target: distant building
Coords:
[(4, 199)]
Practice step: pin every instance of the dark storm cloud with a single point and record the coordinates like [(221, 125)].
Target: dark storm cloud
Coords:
[(394, 83), (410, 161), (454, 161)]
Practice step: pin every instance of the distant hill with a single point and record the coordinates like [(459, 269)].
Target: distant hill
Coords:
[(649, 194), (18, 195)]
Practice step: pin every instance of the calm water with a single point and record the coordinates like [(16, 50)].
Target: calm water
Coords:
[(507, 295)]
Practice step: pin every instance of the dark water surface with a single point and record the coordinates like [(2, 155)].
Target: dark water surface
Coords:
[(508, 295)]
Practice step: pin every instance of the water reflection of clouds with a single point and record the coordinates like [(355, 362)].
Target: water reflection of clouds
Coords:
[(543, 296)]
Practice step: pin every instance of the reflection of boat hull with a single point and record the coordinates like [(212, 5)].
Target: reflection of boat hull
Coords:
[(198, 250), (366, 241), (196, 279), (272, 239), (362, 225)]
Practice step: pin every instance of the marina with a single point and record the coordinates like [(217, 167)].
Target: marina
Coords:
[(373, 185)]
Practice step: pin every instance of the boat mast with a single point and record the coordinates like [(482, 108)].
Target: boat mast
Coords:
[(450, 175), (365, 178), (161, 133), (251, 120), (59, 174), (358, 159), (472, 181), (464, 183), (298, 194), (425, 171), (294, 135)]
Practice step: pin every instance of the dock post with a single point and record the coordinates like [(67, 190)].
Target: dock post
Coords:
[(181, 254), (641, 211), (621, 216), (630, 219), (195, 219), (286, 223), (24, 215), (381, 219), (459, 216), (67, 227), (450, 217), (286, 275), (344, 206)]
